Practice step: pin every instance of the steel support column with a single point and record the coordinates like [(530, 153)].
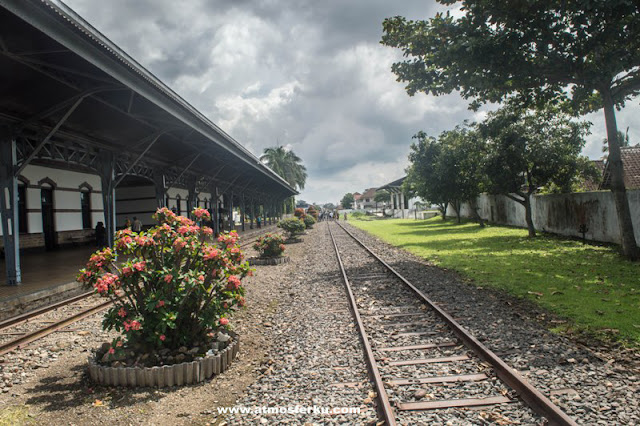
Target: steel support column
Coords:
[(9, 206), (215, 210), (106, 170), (158, 182), (242, 212), (264, 214), (191, 197), (232, 224), (253, 214), (402, 203)]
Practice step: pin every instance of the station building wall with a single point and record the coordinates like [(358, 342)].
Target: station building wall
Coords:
[(136, 201), (67, 188)]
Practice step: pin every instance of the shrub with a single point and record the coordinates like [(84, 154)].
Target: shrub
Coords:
[(292, 226), (311, 211), (171, 286), (299, 213), (309, 221), (270, 245), (358, 215)]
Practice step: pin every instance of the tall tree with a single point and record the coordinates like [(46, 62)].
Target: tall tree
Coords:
[(586, 51), (423, 176), (531, 149), (347, 201), (288, 165), (463, 165)]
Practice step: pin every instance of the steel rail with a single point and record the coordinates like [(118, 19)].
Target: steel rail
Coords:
[(32, 314), (385, 405), (38, 334), (529, 394)]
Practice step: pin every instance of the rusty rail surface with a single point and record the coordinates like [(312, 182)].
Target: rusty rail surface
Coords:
[(385, 405), (538, 402), (22, 341)]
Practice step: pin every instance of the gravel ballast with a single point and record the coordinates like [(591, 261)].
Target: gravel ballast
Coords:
[(595, 385), (300, 348)]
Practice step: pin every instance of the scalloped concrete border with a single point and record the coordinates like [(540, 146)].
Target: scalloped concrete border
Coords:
[(185, 373), (269, 260)]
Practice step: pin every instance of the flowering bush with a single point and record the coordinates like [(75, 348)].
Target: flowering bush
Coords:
[(311, 211), (299, 213), (270, 245), (309, 221), (292, 226), (170, 286)]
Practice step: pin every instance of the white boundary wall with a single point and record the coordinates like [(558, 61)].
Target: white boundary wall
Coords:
[(562, 213)]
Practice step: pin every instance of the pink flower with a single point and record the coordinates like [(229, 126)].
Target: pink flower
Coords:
[(201, 213), (210, 253), (119, 343), (234, 282), (127, 272), (179, 244), (135, 325), (160, 304), (207, 231), (162, 337), (201, 278), (224, 321), (112, 351), (122, 313), (168, 278), (140, 266)]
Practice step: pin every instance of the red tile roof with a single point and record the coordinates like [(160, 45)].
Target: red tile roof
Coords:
[(631, 164), (369, 193)]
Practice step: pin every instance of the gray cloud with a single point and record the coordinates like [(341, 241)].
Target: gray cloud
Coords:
[(308, 75)]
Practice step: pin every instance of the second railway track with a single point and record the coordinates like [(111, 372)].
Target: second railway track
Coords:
[(420, 359)]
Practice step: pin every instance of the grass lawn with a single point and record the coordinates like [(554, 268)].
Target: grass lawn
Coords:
[(590, 285)]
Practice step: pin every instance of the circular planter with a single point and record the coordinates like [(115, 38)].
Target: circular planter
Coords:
[(185, 373), (269, 260)]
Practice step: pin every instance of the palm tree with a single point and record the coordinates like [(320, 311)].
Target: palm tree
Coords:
[(286, 164), (623, 140)]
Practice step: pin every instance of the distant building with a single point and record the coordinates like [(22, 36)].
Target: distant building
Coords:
[(366, 200)]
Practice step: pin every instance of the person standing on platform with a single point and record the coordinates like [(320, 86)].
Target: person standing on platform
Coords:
[(101, 235), (137, 225), (127, 222)]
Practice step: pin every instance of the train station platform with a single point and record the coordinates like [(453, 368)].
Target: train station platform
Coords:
[(48, 277)]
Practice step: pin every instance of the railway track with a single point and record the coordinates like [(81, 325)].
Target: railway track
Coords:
[(23, 329), (419, 357)]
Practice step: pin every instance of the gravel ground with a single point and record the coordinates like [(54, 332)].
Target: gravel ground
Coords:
[(318, 360), (596, 385), (50, 377), (299, 347)]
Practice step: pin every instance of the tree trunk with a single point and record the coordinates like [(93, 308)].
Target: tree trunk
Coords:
[(456, 208), (474, 212), (528, 216), (625, 225), (443, 210)]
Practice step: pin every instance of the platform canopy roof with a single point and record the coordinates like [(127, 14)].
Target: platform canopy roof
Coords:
[(70, 95), (394, 186)]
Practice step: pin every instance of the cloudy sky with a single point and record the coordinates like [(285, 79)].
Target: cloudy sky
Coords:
[(309, 75)]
